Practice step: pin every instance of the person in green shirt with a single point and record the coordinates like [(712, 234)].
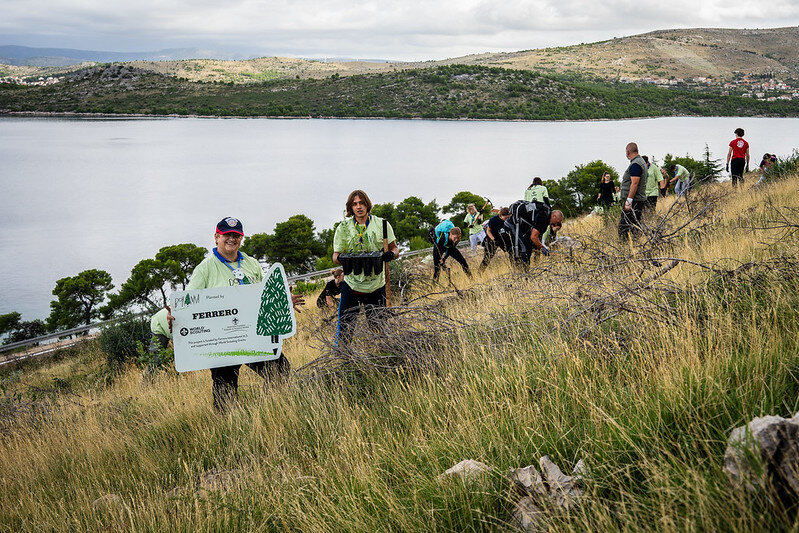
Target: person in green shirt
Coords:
[(361, 231), (474, 222), (683, 178), (653, 176), (227, 266), (536, 192)]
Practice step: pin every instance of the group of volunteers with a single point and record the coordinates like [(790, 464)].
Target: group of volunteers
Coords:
[(522, 230)]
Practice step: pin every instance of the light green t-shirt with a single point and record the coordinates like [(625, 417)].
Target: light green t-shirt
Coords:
[(159, 324), (535, 193), (473, 219), (682, 173), (653, 177), (212, 273), (351, 237)]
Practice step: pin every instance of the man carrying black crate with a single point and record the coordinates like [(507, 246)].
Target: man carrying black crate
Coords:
[(356, 236)]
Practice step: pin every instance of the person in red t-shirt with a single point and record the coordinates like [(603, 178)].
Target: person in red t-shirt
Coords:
[(738, 157)]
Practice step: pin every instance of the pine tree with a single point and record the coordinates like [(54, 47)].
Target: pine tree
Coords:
[(711, 168), (274, 316)]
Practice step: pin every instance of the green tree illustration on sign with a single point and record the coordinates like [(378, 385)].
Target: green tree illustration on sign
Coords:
[(274, 316)]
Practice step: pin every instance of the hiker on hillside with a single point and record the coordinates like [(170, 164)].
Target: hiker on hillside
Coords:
[(361, 232), (228, 267), (527, 224), (738, 158), (474, 223), (545, 229), (327, 298), (496, 237), (682, 177), (536, 192), (765, 166), (606, 190), (633, 191), (653, 176), (445, 237)]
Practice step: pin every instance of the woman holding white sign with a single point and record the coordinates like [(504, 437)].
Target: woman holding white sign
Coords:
[(228, 266)]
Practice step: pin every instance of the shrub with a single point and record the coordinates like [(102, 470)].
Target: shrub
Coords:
[(120, 340), (308, 287), (418, 243)]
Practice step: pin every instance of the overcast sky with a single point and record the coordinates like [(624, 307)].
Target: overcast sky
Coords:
[(388, 29)]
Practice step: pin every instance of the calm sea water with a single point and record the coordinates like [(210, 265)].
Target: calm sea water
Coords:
[(105, 193)]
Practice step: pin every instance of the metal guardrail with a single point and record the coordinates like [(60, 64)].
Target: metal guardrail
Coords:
[(96, 325)]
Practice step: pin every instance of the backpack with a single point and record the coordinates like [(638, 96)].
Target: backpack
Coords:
[(522, 214)]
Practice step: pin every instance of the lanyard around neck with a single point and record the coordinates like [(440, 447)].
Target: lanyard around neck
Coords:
[(227, 264), (365, 227)]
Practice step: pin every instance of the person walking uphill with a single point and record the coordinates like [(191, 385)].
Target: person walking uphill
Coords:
[(738, 158), (445, 239), (227, 267), (633, 191), (361, 232)]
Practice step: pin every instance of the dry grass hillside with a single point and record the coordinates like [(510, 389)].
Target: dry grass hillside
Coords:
[(717, 53), (638, 357)]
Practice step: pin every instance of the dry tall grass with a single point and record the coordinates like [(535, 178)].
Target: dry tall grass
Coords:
[(565, 360)]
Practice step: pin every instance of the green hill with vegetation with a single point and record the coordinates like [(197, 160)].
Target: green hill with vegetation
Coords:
[(638, 358), (455, 91)]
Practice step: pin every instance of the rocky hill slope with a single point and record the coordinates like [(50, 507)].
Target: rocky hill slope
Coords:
[(683, 53)]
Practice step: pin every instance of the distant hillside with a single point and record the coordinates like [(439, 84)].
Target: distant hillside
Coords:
[(718, 53), (64, 57), (457, 91), (715, 53)]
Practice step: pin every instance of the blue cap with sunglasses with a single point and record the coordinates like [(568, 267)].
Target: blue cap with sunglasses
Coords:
[(230, 225)]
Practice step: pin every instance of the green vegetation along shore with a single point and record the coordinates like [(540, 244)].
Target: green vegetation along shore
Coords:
[(637, 358), (444, 92)]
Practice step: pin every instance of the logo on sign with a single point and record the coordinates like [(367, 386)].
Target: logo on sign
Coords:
[(184, 332)]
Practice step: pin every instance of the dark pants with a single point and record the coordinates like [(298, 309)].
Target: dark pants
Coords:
[(737, 167), (630, 219), (350, 305), (491, 247), (452, 251), (226, 378), (651, 202)]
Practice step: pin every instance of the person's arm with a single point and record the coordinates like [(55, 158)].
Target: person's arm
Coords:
[(729, 156), (535, 238), (330, 301), (628, 203), (747, 159), (489, 234), (441, 244), (335, 258)]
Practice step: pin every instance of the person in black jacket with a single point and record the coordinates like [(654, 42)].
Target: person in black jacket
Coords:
[(606, 190), (327, 298)]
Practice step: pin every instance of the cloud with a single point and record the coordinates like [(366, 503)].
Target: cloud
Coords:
[(412, 29)]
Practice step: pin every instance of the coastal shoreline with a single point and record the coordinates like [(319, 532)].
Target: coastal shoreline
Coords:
[(70, 114)]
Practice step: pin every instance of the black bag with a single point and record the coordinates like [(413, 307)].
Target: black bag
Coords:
[(520, 223)]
